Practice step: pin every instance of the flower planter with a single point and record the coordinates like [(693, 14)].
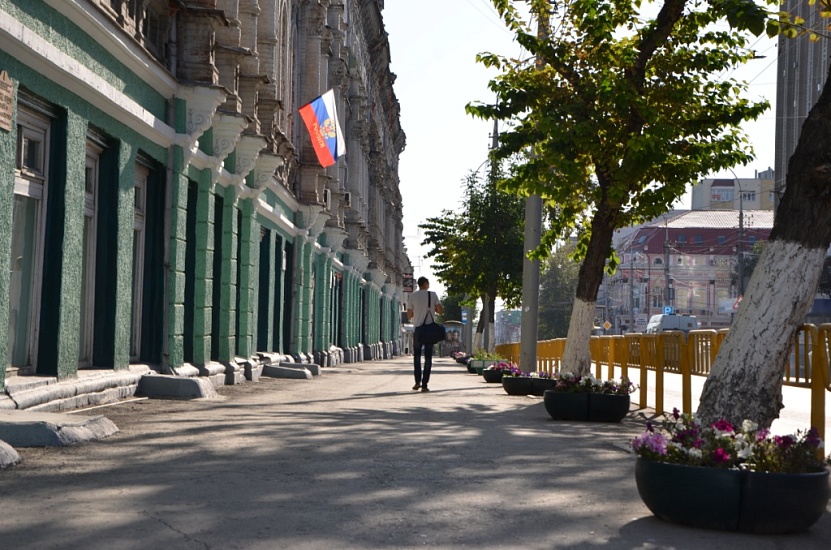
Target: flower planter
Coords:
[(732, 500), (782, 503), (586, 406), (607, 407), (707, 498), (567, 405), (478, 365), (540, 385), (516, 385), (492, 376)]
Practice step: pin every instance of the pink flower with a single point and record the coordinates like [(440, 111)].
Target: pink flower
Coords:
[(723, 426), (720, 455)]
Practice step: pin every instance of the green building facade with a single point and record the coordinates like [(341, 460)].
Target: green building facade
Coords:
[(162, 205)]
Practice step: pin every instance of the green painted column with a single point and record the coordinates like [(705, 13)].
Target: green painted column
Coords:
[(308, 299), (124, 255), (317, 318), (247, 265), (280, 297), (323, 313), (345, 317), (69, 306), (349, 310), (8, 153), (177, 245), (228, 283), (303, 281), (270, 288), (203, 271)]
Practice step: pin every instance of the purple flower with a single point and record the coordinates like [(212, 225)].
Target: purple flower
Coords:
[(652, 442), (812, 438), (784, 441)]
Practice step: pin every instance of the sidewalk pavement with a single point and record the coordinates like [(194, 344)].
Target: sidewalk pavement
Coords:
[(352, 459)]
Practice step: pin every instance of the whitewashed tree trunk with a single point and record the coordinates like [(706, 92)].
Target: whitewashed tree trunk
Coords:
[(746, 379), (479, 340), (577, 357)]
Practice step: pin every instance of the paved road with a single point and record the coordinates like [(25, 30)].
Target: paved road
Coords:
[(351, 460)]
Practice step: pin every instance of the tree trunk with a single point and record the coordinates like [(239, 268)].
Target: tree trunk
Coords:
[(577, 355), (479, 337), (746, 379)]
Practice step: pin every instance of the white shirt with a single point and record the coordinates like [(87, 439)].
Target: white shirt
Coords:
[(418, 303)]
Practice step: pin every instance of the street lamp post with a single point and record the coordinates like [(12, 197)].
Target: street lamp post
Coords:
[(740, 243)]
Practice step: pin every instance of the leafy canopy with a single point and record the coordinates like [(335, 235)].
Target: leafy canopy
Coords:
[(618, 110), (477, 250)]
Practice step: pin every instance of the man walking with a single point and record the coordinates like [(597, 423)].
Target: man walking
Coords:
[(421, 310)]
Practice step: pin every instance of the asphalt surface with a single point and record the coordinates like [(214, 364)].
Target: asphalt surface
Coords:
[(353, 459)]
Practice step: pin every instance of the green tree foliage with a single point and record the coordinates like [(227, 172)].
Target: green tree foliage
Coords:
[(477, 250), (453, 305), (616, 114), (558, 283)]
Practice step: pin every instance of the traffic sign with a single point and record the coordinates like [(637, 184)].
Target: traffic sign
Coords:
[(669, 310)]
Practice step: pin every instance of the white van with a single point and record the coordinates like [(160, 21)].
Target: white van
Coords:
[(660, 323)]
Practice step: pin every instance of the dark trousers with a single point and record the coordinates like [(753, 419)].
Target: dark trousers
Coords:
[(422, 378)]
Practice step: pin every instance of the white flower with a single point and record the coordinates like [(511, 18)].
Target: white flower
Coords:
[(749, 426)]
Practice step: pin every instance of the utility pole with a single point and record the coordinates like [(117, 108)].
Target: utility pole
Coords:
[(740, 244), (631, 287), (531, 268), (667, 289), (486, 312)]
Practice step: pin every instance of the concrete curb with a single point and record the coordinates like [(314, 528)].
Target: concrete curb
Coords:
[(176, 387), (39, 429), (298, 371), (47, 394), (314, 368)]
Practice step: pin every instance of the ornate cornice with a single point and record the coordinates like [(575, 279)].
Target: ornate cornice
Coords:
[(202, 103), (264, 168), (227, 128)]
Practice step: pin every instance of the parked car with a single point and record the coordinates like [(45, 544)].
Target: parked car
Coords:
[(663, 322)]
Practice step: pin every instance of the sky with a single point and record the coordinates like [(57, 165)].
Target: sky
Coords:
[(433, 47)]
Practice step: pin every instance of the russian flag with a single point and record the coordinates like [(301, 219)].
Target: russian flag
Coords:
[(321, 120)]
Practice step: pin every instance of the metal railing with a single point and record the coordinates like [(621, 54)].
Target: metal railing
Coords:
[(689, 355)]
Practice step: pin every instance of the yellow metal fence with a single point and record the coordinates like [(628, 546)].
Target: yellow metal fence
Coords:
[(689, 355)]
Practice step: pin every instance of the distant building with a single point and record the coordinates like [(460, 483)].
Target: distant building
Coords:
[(755, 193), (802, 68), (684, 260), (507, 326)]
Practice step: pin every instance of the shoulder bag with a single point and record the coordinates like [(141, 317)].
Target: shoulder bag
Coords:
[(431, 333)]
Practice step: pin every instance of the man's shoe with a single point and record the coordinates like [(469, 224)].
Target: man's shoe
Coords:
[(417, 387), (425, 388)]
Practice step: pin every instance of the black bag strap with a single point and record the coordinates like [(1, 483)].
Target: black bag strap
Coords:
[(430, 313)]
